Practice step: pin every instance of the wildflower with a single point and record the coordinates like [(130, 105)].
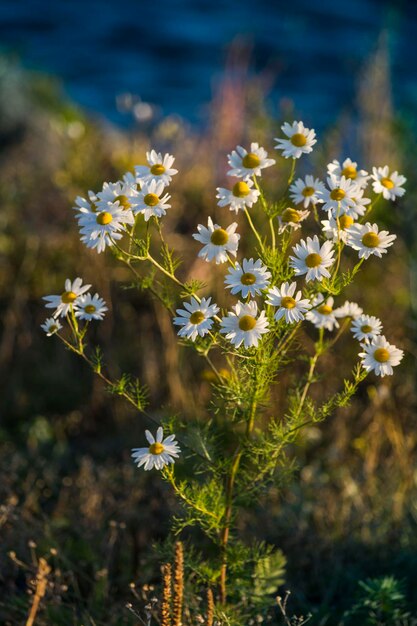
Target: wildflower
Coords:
[(90, 307), (366, 239), (250, 278), (339, 198), (300, 140), (380, 356), (159, 453), (336, 230), (390, 185), (322, 314), (307, 191), (245, 164), (102, 228), (290, 304), (312, 259), (218, 242), (120, 193), (86, 206), (349, 169), (159, 169), (150, 201), (291, 218), (241, 196), (360, 204), (243, 326), (349, 309), (196, 319), (68, 299), (366, 328), (51, 326)]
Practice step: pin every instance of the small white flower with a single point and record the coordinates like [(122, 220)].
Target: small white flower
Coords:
[(366, 327), (337, 229), (390, 185), (84, 206), (322, 315), (196, 319), (245, 164), (69, 298), (241, 196), (300, 140), (243, 326), (250, 278), (349, 309), (90, 307), (307, 191), (312, 259), (102, 228), (160, 451), (340, 196), (151, 200), (218, 242), (159, 168), (360, 205), (366, 239), (51, 326), (380, 356), (349, 169), (290, 304), (121, 193), (291, 218)]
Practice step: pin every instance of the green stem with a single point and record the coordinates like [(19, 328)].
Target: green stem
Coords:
[(255, 232)]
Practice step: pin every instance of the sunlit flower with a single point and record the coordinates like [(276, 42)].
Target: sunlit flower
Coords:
[(300, 140), (360, 205), (195, 318), (250, 278), (90, 307), (312, 259), (242, 325), (159, 169), (291, 218), (245, 164), (380, 356), (340, 195), (348, 309), (218, 242), (290, 305), (151, 200), (86, 206), (349, 169), (337, 229), (241, 196), (51, 326), (307, 191), (366, 239), (366, 328), (159, 453), (102, 228), (68, 299), (390, 185), (322, 314), (120, 194)]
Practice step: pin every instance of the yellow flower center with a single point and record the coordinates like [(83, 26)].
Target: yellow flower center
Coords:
[(104, 218), (287, 302), (156, 448), (241, 189), (68, 297), (247, 322), (366, 328), (308, 191), (157, 169), (324, 309), (313, 260), (381, 355), (387, 182), (349, 172), (197, 317), (151, 199), (299, 140), (337, 194), (90, 308), (248, 279), (290, 215), (251, 160), (370, 240), (123, 201), (345, 221), (219, 237)]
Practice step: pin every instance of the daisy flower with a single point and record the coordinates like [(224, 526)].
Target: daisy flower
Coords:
[(366, 328), (290, 304), (243, 326), (86, 206), (300, 140), (90, 307), (349, 309), (349, 169), (380, 356), (123, 193), (159, 169), (322, 315), (245, 164), (390, 185), (340, 196), (69, 298), (51, 326), (337, 231), (101, 229), (250, 278), (241, 196), (218, 242), (307, 191), (291, 218), (312, 259), (366, 239), (196, 319), (151, 200), (360, 204), (160, 451)]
